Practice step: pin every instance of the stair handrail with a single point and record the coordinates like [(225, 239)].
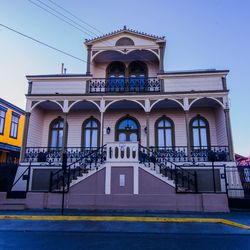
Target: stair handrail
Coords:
[(176, 167), (68, 167)]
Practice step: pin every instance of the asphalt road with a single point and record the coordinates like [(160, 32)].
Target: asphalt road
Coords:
[(120, 241)]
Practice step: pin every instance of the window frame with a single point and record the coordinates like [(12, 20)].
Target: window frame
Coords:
[(3, 109), (191, 127), (172, 127), (16, 115), (84, 124)]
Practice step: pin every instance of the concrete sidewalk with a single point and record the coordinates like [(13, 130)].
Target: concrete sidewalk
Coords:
[(125, 221)]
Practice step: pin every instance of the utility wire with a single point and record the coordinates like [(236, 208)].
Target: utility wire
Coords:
[(106, 42), (79, 19), (45, 44), (59, 17)]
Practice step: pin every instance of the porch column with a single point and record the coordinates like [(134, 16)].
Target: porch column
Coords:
[(147, 124), (188, 134), (88, 59), (101, 129), (25, 135), (64, 143), (229, 134), (161, 50)]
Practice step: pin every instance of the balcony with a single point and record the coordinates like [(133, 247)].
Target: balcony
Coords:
[(125, 85)]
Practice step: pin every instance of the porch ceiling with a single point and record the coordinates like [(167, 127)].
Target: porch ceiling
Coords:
[(205, 103), (125, 105), (136, 55)]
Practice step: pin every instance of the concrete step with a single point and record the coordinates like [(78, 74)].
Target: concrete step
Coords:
[(12, 206)]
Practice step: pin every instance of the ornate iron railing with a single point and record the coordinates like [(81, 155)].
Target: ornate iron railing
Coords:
[(53, 155), (210, 154), (185, 180), (118, 85), (63, 177)]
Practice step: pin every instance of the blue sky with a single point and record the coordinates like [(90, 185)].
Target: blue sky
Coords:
[(200, 34)]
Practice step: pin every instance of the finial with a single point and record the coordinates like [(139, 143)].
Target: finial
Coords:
[(124, 27)]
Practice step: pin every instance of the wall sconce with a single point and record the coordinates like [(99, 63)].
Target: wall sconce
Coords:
[(146, 130), (108, 130)]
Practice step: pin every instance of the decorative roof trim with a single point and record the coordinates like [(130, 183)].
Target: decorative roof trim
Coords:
[(12, 106), (124, 29)]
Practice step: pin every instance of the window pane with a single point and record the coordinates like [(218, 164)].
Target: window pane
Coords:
[(167, 123), (122, 137), (94, 138), (195, 122), (196, 137), (133, 137), (203, 137), (53, 138), (202, 123), (87, 138), (161, 137), (60, 138), (161, 123), (168, 138), (94, 124), (1, 124)]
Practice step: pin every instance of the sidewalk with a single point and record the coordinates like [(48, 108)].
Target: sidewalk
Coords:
[(125, 221)]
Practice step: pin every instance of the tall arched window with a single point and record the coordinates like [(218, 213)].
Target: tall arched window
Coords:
[(199, 132), (164, 128), (138, 71), (91, 133), (127, 129), (116, 76), (56, 133)]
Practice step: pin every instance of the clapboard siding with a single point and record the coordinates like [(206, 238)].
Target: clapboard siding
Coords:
[(221, 127), (192, 84), (35, 128), (60, 87), (40, 122)]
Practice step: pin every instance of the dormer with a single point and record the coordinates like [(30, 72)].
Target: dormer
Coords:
[(125, 53)]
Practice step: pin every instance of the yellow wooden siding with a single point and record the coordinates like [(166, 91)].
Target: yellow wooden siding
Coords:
[(5, 138)]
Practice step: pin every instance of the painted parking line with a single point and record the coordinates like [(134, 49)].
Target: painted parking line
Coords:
[(124, 219)]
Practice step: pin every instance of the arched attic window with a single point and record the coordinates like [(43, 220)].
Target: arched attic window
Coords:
[(124, 41)]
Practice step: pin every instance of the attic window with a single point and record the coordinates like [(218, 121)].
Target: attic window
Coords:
[(124, 41)]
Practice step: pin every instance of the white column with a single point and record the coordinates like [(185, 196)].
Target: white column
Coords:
[(108, 179), (136, 179)]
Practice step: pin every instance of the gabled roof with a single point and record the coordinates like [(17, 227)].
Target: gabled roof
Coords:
[(124, 30)]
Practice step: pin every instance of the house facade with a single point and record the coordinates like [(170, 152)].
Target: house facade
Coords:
[(11, 132), (128, 133)]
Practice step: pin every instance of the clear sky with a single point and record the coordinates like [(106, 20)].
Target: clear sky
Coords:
[(200, 34)]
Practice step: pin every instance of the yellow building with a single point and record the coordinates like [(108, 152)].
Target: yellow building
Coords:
[(11, 132)]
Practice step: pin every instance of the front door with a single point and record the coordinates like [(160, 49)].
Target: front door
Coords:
[(127, 130)]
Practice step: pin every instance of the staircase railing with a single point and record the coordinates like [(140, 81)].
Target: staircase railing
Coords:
[(84, 164), (185, 180)]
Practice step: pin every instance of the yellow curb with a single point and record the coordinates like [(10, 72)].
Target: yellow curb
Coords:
[(123, 218)]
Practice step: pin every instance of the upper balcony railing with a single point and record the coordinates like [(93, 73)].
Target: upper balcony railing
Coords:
[(125, 85)]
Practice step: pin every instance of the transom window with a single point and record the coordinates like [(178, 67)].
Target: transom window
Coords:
[(165, 132), (200, 132), (14, 125), (2, 119), (91, 133), (127, 129), (56, 133)]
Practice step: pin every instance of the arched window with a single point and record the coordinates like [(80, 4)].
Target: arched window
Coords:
[(116, 76), (124, 41), (164, 128), (91, 133), (127, 129), (199, 132), (138, 71), (56, 133)]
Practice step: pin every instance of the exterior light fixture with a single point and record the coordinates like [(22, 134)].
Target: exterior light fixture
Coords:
[(146, 130), (108, 129)]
